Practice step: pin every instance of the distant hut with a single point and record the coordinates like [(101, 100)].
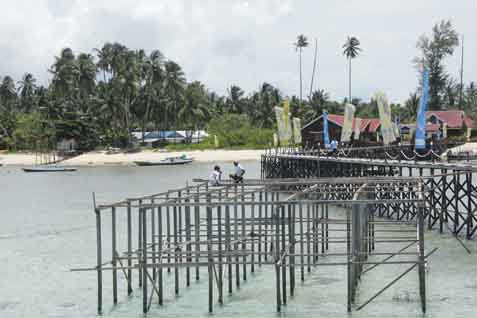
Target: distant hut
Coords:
[(312, 133)]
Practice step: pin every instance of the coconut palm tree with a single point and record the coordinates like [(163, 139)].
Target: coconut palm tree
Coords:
[(318, 101), (27, 89), (195, 109), (351, 51), (301, 42), (235, 103), (174, 88)]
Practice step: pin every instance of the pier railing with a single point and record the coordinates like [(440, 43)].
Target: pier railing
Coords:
[(451, 201)]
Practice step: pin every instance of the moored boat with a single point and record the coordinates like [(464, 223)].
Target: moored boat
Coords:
[(169, 161), (49, 169)]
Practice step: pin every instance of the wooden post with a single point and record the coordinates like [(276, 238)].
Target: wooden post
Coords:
[(129, 238), (144, 260), (113, 255), (99, 261)]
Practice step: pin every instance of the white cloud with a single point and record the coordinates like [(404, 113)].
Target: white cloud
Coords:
[(240, 42)]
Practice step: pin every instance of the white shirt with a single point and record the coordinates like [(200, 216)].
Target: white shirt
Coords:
[(214, 178), (239, 170)]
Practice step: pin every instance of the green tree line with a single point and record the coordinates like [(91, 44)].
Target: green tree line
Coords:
[(99, 98)]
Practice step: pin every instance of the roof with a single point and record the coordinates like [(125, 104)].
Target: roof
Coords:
[(373, 123), (456, 119)]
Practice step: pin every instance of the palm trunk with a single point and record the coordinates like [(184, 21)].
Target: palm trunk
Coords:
[(314, 68), (301, 84), (349, 79)]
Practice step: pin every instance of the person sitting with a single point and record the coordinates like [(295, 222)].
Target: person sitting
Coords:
[(239, 172), (215, 177)]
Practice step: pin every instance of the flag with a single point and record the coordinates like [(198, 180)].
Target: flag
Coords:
[(297, 130), (357, 128), (384, 109), (326, 134), (421, 113), (347, 129), (283, 123)]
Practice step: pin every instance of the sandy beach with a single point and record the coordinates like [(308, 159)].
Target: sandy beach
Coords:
[(100, 158)]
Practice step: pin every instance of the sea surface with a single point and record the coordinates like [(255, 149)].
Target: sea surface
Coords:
[(47, 227)]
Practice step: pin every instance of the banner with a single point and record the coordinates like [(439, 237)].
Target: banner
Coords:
[(387, 130), (283, 123), (297, 130), (444, 130), (421, 113), (469, 133), (396, 130), (347, 128), (326, 134), (357, 128)]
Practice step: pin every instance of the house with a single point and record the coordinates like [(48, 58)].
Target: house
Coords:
[(432, 130), (457, 123), (312, 133), (161, 137), (194, 137), (456, 120)]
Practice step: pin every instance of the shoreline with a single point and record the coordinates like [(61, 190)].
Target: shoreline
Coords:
[(100, 158)]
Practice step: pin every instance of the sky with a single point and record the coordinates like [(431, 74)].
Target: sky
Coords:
[(245, 43)]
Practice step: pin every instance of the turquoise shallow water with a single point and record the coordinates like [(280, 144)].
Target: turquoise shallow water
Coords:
[(48, 227)]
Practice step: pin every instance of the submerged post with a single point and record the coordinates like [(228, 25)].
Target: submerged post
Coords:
[(99, 260)]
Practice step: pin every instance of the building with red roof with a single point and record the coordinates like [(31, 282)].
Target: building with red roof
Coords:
[(456, 120), (312, 133)]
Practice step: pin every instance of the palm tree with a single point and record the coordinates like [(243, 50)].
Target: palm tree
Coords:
[(412, 103), (87, 74), (152, 76), (351, 51), (104, 59), (27, 89), (195, 109), (174, 88), (301, 42), (235, 99), (8, 100), (318, 101)]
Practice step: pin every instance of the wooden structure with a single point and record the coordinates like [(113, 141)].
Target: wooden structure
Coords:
[(451, 203), (226, 232), (312, 133)]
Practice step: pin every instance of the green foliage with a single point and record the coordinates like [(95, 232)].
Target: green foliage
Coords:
[(236, 131), (99, 98), (29, 133), (434, 50)]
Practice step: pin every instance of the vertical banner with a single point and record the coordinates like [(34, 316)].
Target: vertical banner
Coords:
[(326, 134), (275, 140), (283, 123), (396, 130), (297, 130), (357, 128), (469, 133), (444, 130), (387, 130), (347, 128), (421, 113)]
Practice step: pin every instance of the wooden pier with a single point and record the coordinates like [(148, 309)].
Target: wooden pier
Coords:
[(451, 202), (222, 234)]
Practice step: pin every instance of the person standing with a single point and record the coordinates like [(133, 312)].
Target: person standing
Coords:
[(215, 177), (239, 172)]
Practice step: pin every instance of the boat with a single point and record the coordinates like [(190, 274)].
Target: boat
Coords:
[(169, 161), (48, 169)]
